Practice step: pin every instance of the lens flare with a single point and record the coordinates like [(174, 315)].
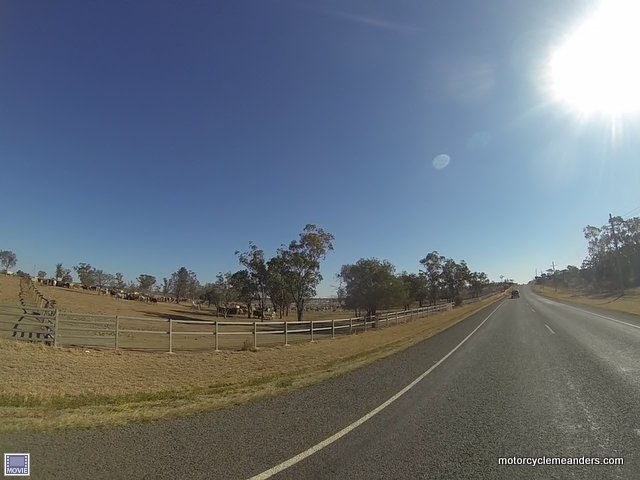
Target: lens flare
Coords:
[(441, 161), (597, 68)]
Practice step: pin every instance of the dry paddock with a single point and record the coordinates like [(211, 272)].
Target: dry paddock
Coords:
[(146, 326), (86, 301), (47, 387), (9, 289)]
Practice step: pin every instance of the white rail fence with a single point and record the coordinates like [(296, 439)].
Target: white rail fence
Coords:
[(24, 322), (66, 329)]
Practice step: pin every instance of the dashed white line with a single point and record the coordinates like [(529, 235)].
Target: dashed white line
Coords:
[(549, 328), (336, 436)]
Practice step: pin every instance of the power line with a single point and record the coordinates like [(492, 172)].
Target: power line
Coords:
[(631, 212)]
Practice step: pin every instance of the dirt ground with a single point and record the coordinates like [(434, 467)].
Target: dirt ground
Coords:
[(46, 387), (9, 289), (85, 301)]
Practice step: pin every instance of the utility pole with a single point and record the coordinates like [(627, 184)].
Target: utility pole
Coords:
[(617, 254), (555, 283)]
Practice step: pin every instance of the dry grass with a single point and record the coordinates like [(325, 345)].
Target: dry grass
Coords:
[(85, 301), (9, 289), (140, 318), (141, 329), (46, 388), (629, 303)]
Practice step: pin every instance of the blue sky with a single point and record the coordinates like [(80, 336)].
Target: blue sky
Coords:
[(143, 136)]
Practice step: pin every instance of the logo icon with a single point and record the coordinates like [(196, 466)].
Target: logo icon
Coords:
[(16, 465)]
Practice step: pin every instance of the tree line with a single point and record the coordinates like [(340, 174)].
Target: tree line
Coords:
[(612, 262), (290, 278), (371, 284)]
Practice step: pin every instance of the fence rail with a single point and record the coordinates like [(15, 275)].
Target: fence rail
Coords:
[(69, 329), (28, 321)]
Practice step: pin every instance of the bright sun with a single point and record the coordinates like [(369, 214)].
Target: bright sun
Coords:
[(597, 68)]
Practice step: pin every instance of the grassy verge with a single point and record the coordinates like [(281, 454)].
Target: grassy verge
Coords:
[(629, 303), (45, 388)]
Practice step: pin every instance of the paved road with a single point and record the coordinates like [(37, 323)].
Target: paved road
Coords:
[(537, 378)]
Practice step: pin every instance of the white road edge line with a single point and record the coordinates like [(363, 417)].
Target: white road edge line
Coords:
[(328, 441), (597, 315), (549, 328)]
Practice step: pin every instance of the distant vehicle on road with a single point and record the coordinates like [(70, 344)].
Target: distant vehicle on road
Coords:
[(515, 294)]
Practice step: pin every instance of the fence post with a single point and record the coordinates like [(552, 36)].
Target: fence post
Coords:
[(170, 336), (311, 328), (364, 322), (255, 335), (55, 330), (117, 331), (396, 318), (333, 328), (286, 333), (216, 333), (350, 325)]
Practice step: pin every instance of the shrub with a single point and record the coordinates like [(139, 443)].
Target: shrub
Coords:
[(247, 346)]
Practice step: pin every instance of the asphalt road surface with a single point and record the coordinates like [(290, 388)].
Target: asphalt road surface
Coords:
[(529, 377)]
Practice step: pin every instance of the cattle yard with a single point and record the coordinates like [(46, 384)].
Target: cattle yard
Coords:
[(43, 317), (93, 302)]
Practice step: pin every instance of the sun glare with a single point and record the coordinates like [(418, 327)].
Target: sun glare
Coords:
[(597, 68)]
